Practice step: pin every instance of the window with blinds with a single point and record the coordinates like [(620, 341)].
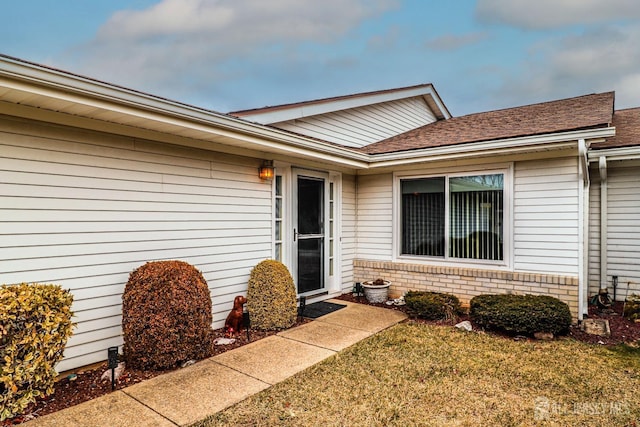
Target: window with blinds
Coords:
[(455, 217), (423, 216)]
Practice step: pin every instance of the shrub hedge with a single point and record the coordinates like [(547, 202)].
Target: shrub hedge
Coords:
[(632, 307), (271, 296), (432, 305), (35, 324), (166, 315), (521, 314)]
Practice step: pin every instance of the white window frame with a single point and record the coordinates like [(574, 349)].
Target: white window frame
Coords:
[(284, 170), (335, 280), (505, 264), (283, 220)]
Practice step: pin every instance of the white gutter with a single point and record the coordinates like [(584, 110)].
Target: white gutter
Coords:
[(622, 153), (71, 88), (584, 160), (510, 145), (602, 165), (583, 215), (58, 85)]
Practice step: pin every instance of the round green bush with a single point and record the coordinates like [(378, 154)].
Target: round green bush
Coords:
[(521, 314), (166, 315), (271, 296), (432, 305)]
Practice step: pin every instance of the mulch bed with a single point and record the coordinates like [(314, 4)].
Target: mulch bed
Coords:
[(88, 385), (622, 330)]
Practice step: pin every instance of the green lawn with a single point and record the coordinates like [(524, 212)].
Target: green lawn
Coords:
[(421, 375)]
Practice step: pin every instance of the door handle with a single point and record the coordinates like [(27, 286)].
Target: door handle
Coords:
[(295, 234)]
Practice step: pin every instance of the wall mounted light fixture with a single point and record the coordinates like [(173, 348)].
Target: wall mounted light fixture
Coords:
[(266, 171)]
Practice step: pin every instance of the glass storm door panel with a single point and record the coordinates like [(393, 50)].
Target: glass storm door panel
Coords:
[(309, 240)]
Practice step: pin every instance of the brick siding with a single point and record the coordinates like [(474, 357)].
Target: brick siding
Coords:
[(466, 283)]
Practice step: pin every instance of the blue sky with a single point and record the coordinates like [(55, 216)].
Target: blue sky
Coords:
[(236, 54)]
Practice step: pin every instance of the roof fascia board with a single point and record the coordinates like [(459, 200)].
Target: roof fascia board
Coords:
[(502, 146), (52, 78), (433, 100), (57, 85), (67, 87), (322, 107), (619, 153), (266, 138)]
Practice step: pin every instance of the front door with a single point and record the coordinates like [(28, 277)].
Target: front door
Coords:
[(309, 233)]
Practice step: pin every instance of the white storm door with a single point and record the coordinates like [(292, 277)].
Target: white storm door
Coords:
[(310, 229)]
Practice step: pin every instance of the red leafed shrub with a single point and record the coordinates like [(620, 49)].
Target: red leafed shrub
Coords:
[(166, 315)]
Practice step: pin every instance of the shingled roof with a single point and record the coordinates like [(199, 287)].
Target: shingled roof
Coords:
[(627, 123), (583, 112)]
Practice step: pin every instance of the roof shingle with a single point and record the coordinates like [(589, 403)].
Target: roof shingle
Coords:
[(627, 124), (583, 112)]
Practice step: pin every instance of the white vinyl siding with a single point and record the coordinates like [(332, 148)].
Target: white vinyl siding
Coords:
[(357, 127), (375, 217), (594, 231), (348, 230), (83, 210), (623, 231), (546, 216)]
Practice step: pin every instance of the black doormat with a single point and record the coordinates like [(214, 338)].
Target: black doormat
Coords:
[(321, 308)]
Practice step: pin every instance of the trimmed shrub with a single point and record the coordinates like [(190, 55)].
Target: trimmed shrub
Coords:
[(166, 315), (432, 305), (35, 324), (521, 314), (271, 296), (632, 308)]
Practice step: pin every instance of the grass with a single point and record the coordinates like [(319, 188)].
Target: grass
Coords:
[(415, 374)]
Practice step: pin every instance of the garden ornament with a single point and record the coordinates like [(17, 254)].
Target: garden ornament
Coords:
[(234, 323)]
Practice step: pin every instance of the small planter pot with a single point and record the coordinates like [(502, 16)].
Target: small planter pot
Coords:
[(376, 293)]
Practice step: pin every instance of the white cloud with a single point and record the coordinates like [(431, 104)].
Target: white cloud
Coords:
[(238, 22), (180, 46), (544, 14), (599, 60), (167, 18), (454, 41)]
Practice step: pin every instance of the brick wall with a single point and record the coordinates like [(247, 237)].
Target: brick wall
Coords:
[(466, 283)]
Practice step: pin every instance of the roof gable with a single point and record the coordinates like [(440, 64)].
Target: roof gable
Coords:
[(355, 120), (357, 127), (583, 112), (285, 112)]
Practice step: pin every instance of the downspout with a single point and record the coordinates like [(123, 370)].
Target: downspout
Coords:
[(602, 164), (583, 212)]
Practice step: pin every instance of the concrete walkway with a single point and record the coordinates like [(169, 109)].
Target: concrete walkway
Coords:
[(191, 394)]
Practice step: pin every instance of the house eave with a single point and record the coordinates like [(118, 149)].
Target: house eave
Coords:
[(39, 92), (553, 141), (613, 154), (45, 89)]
